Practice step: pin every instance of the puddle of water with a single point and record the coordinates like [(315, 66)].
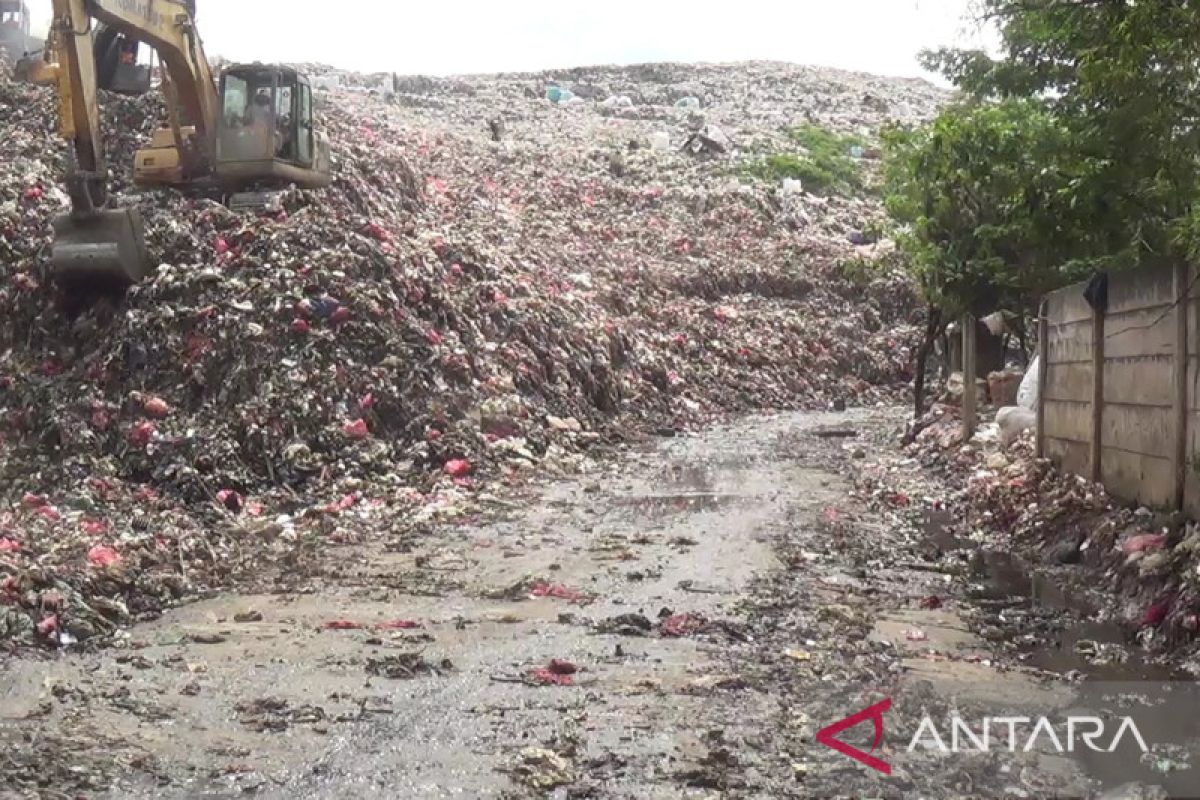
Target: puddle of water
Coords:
[(1099, 650), (688, 502), (1006, 575), (938, 527)]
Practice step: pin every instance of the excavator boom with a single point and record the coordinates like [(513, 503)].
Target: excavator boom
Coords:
[(96, 247), (254, 131)]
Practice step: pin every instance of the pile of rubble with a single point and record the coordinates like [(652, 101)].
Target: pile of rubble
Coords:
[(494, 281)]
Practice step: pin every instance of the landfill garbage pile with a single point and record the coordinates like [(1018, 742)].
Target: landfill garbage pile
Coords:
[(1140, 568), (494, 280)]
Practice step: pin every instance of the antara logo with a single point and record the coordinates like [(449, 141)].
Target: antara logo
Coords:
[(1074, 733), (874, 713), (1070, 735)]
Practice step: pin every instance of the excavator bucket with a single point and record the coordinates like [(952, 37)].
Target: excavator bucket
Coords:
[(104, 251)]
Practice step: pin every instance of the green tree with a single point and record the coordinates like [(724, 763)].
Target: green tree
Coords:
[(1076, 149), (1121, 77), (976, 194)]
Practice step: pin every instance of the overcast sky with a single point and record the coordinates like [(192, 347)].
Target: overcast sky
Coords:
[(880, 36)]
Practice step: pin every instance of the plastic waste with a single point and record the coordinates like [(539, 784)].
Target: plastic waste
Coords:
[(660, 140), (1027, 393), (857, 152), (1013, 421), (792, 187), (688, 102), (557, 94), (617, 101)]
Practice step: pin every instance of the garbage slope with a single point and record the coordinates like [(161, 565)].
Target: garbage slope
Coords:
[(454, 307)]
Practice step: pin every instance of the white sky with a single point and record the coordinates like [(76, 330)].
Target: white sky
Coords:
[(880, 36)]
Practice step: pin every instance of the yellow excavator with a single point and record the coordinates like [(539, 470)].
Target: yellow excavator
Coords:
[(239, 137)]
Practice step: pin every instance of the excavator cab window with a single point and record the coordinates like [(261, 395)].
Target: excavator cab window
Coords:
[(266, 114), (248, 119)]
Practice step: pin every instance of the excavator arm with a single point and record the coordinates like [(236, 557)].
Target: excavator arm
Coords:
[(166, 25), (94, 245)]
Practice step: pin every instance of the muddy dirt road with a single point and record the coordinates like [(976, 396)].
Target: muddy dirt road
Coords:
[(678, 623)]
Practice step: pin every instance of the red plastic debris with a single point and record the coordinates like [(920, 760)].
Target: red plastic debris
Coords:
[(30, 500), (25, 282), (376, 232), (9, 546), (49, 512), (340, 315), (222, 246), (557, 673), (933, 601), (94, 527), (1155, 614), (102, 419), (230, 499), (543, 589), (48, 626), (398, 625), (342, 625), (346, 502), (679, 625), (1143, 542), (142, 434), (357, 429), (33, 193), (458, 468), (433, 336), (544, 676), (156, 407), (300, 325), (367, 402), (103, 556)]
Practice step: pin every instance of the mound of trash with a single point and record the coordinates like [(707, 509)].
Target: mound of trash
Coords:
[(1130, 566), (499, 276)]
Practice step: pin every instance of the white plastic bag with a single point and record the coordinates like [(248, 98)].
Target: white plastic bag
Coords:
[(1027, 393)]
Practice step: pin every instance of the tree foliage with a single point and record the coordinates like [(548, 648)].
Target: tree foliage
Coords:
[(1077, 148), (1121, 76), (977, 194)]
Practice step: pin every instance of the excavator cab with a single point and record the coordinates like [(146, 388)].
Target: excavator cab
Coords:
[(267, 134)]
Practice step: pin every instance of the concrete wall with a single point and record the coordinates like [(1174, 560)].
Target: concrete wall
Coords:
[(1140, 418)]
